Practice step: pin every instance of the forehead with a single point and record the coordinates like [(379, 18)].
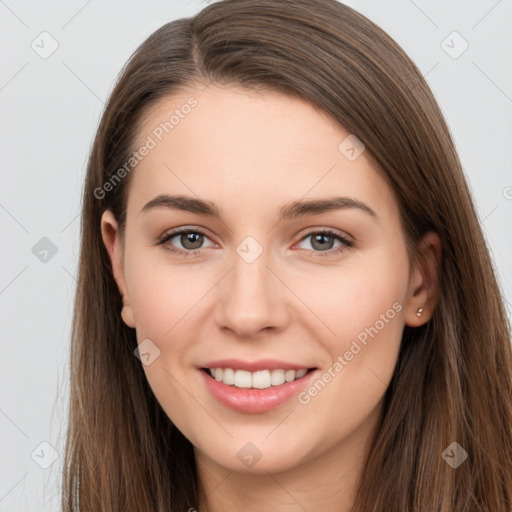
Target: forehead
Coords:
[(249, 147), (245, 115)]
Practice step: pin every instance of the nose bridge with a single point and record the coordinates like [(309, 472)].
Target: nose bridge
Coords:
[(252, 296)]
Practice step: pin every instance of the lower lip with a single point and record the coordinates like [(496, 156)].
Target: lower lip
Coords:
[(255, 400)]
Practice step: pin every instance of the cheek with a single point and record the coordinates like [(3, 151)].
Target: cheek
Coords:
[(166, 300), (163, 295), (361, 309), (353, 297), (362, 357)]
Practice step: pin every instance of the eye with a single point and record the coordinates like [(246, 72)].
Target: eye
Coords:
[(191, 241), (323, 242)]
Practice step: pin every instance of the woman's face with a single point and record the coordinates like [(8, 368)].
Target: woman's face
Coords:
[(256, 282)]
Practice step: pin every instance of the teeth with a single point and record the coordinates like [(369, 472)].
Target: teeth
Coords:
[(228, 376), (260, 380)]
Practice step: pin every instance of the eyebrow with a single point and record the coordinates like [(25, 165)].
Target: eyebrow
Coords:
[(289, 211)]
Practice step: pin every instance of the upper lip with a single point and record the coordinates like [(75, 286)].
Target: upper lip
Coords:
[(254, 366)]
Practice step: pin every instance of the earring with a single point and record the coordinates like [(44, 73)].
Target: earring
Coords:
[(419, 311)]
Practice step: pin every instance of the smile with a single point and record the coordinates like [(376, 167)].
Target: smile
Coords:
[(255, 391)]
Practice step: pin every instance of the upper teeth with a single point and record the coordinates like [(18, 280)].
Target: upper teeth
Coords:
[(260, 380)]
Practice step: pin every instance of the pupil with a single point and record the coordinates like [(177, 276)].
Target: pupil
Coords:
[(319, 238), (189, 238)]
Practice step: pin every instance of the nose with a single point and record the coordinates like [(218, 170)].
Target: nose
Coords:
[(252, 298)]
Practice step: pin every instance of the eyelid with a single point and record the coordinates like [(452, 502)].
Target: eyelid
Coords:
[(329, 231), (345, 242), (180, 230)]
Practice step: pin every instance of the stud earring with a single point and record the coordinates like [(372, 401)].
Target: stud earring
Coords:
[(419, 311)]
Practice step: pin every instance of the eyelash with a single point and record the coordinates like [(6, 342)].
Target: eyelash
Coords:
[(345, 243)]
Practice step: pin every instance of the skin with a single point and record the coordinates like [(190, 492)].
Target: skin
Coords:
[(250, 153)]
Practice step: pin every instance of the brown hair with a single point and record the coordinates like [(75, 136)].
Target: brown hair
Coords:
[(453, 379)]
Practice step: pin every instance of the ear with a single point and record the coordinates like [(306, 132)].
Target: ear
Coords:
[(111, 239), (424, 281)]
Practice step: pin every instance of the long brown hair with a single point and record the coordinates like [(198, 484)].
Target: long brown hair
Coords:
[(453, 379)]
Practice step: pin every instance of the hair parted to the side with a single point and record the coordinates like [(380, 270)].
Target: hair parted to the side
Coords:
[(453, 380)]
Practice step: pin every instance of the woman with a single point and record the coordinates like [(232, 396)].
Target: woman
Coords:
[(285, 300)]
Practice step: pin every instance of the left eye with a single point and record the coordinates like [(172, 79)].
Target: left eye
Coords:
[(323, 240)]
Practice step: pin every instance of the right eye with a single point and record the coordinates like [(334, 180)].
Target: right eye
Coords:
[(190, 240)]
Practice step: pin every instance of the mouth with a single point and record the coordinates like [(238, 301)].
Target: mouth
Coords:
[(261, 379), (267, 386)]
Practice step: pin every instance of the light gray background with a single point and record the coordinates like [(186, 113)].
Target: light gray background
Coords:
[(49, 112)]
